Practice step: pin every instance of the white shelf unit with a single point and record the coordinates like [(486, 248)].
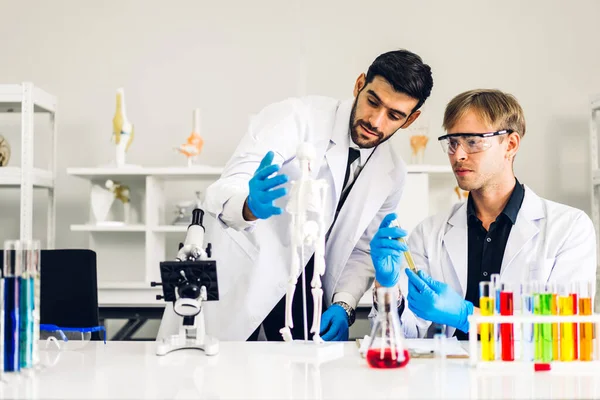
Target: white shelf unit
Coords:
[(27, 99), (428, 189), (135, 250), (595, 178)]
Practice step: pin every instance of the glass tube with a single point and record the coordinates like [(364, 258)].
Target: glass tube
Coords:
[(12, 271), (486, 305), (528, 290), (546, 334), (495, 280), (552, 287), (565, 307), (573, 293), (586, 329), (507, 329), (33, 257)]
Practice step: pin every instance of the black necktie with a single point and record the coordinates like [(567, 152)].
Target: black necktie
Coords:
[(353, 154)]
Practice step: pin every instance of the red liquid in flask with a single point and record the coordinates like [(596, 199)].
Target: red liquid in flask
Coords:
[(506, 330), (387, 361)]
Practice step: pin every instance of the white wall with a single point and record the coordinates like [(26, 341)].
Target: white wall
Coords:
[(230, 58)]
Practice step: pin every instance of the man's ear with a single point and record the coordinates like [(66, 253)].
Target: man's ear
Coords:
[(360, 84), (411, 118), (514, 141)]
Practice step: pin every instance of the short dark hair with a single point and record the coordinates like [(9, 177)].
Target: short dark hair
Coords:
[(406, 72)]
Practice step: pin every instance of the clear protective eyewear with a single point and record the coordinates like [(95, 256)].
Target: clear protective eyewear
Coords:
[(470, 142)]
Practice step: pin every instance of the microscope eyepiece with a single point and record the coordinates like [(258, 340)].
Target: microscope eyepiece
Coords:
[(197, 217)]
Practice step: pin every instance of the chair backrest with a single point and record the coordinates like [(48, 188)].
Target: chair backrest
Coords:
[(69, 295), (69, 288)]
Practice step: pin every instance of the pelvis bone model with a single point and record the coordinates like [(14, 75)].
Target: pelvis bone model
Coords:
[(307, 208)]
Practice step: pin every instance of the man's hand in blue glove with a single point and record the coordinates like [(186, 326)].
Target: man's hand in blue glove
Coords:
[(437, 302), (259, 204), (386, 252), (334, 324)]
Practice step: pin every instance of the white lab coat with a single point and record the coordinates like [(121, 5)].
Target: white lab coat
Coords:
[(253, 259), (549, 242)]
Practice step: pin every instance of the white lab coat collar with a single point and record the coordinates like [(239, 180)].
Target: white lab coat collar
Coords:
[(456, 237)]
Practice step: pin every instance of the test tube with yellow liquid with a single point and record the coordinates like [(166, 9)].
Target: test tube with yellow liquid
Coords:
[(407, 254), (565, 308), (552, 287), (487, 308), (586, 329)]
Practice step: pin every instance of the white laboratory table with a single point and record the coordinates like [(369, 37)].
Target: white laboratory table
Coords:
[(130, 370)]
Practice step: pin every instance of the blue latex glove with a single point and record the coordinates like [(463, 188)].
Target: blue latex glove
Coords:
[(437, 302), (386, 252), (334, 324), (262, 189)]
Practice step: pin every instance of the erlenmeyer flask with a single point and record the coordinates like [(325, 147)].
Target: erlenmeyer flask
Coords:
[(386, 347)]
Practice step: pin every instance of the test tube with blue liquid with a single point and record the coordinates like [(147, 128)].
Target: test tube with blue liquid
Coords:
[(12, 270), (528, 292), (495, 283), (30, 255)]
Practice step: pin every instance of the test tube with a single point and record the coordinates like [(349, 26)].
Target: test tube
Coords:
[(27, 338), (33, 256), (537, 327), (565, 307), (486, 306), (507, 329), (528, 290), (573, 293), (586, 329), (407, 254), (25, 316), (495, 280), (11, 274), (552, 287), (546, 335)]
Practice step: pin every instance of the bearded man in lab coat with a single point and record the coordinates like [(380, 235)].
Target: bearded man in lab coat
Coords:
[(252, 244), (503, 228)]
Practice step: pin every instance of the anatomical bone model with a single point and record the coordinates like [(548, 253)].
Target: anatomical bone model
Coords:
[(307, 199), (122, 134), (193, 145), (4, 151)]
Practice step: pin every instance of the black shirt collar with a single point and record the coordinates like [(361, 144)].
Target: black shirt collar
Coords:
[(511, 210)]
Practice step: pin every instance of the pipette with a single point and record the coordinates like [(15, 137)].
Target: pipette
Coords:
[(407, 255)]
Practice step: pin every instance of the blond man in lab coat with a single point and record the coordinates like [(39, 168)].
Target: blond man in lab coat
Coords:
[(504, 227)]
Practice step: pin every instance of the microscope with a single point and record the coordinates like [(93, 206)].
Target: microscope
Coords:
[(187, 283)]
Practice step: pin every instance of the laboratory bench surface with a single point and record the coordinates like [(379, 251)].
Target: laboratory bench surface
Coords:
[(258, 370)]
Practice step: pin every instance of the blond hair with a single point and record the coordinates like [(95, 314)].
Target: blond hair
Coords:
[(497, 109)]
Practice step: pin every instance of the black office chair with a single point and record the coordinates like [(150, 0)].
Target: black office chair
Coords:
[(69, 289)]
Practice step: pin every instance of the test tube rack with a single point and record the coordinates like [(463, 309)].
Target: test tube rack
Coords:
[(519, 320)]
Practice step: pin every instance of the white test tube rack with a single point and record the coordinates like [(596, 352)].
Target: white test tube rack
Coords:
[(520, 319)]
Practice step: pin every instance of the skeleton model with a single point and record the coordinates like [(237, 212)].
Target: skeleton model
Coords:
[(122, 129), (307, 198)]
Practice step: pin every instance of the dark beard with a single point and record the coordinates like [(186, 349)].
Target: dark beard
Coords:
[(354, 133)]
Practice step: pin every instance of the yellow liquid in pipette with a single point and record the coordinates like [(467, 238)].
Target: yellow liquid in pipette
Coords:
[(408, 256), (567, 341), (586, 331), (486, 307)]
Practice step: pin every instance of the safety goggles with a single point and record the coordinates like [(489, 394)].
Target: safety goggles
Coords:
[(470, 142)]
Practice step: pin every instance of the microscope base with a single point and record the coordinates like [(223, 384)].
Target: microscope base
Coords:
[(165, 346)]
